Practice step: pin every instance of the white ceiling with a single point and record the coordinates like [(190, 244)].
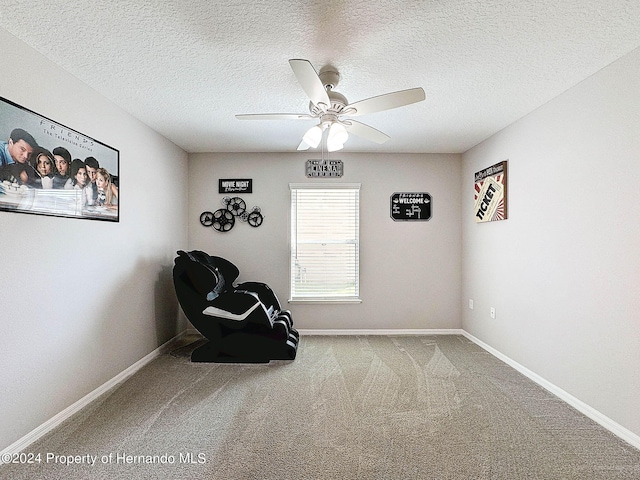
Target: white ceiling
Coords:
[(186, 67)]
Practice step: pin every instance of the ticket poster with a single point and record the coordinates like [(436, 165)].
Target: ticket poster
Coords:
[(490, 193)]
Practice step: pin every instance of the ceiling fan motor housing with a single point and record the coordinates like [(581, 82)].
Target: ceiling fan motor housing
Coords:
[(329, 76), (338, 102)]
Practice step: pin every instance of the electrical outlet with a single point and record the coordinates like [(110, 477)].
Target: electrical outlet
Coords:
[(470, 304), (492, 312)]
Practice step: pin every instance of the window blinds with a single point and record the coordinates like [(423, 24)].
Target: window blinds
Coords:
[(325, 242)]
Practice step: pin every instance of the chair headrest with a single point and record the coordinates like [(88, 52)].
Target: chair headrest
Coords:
[(218, 264)]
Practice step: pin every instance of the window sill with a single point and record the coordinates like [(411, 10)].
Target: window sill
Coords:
[(325, 300)]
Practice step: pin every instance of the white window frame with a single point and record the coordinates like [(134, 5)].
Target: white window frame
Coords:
[(293, 267)]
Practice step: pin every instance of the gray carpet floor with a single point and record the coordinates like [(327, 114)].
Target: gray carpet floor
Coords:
[(349, 407)]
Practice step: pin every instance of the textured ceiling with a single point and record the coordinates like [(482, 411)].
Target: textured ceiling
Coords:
[(186, 67)]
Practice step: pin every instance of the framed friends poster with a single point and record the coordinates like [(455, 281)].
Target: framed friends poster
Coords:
[(47, 168), (490, 193)]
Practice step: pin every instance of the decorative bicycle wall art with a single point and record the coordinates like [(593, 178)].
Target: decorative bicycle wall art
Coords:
[(224, 218)]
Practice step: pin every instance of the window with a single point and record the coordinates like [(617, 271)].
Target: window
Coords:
[(325, 242)]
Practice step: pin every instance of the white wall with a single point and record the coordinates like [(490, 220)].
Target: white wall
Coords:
[(83, 300), (410, 271), (563, 271)]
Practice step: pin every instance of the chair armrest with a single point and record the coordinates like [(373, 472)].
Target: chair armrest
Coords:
[(264, 292), (234, 306)]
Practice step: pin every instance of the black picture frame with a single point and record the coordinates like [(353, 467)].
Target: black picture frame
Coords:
[(28, 184)]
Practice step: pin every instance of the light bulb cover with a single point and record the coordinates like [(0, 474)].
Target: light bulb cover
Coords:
[(337, 133), (313, 136)]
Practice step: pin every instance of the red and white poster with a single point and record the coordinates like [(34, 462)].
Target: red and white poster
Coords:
[(490, 193)]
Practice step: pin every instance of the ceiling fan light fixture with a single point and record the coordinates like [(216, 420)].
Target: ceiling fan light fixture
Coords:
[(303, 146), (332, 147), (337, 136), (312, 137), (328, 107)]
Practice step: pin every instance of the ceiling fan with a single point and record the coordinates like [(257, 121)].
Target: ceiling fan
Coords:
[(329, 107)]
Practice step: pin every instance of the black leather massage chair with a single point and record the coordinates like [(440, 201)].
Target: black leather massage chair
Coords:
[(244, 323)]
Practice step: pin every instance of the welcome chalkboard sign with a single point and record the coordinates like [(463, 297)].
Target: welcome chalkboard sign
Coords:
[(411, 206)]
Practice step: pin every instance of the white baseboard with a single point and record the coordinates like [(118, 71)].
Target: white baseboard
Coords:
[(615, 428), (50, 424), (386, 331)]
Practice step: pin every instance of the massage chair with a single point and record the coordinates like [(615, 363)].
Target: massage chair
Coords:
[(243, 323)]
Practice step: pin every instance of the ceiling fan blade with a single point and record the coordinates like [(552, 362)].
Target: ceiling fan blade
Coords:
[(275, 116), (385, 102), (365, 131), (310, 82)]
